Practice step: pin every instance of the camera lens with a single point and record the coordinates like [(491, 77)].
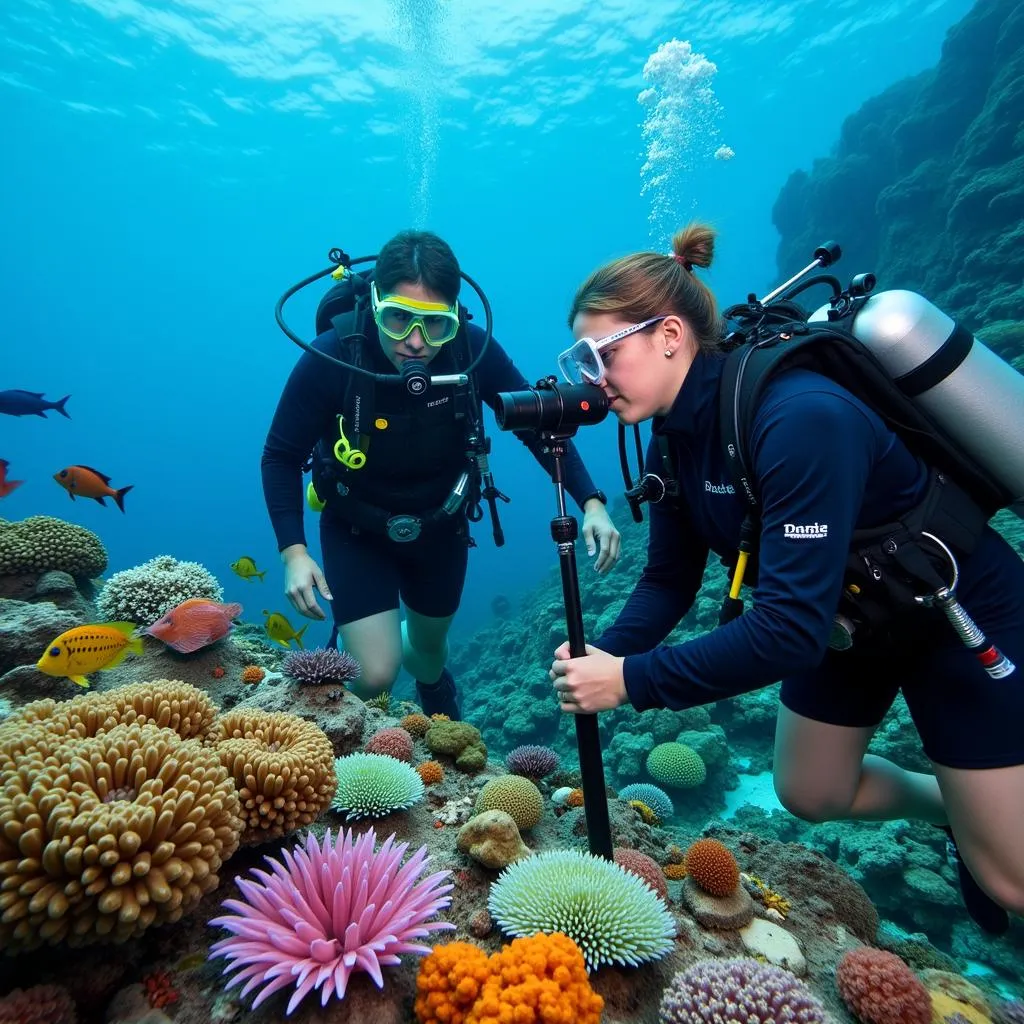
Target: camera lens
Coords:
[(551, 407)]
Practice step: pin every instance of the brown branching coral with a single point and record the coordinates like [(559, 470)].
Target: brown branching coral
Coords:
[(283, 767), (104, 836)]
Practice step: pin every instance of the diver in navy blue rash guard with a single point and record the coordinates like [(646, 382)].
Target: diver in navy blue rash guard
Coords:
[(825, 464), (395, 495)]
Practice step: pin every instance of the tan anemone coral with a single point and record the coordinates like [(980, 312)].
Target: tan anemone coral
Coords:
[(282, 765), (103, 836)]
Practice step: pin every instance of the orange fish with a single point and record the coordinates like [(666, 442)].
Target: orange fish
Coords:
[(90, 483), (84, 649), (6, 486), (195, 623)]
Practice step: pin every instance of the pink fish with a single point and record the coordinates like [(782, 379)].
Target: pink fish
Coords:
[(195, 623)]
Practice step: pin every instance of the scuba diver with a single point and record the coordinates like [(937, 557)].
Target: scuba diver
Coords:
[(387, 399), (834, 486)]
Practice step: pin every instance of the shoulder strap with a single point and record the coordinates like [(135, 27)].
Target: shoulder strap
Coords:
[(835, 353), (357, 405)]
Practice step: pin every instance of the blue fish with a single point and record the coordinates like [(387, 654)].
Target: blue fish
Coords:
[(30, 403)]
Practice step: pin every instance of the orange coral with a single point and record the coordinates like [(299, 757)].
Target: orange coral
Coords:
[(674, 871), (415, 725), (217, 672), (449, 981), (540, 977), (713, 867), (252, 674), (575, 798), (430, 772)]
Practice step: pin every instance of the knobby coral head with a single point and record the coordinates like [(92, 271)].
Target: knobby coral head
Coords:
[(327, 911)]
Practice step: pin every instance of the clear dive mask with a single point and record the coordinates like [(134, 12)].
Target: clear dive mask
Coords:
[(397, 316), (581, 362)]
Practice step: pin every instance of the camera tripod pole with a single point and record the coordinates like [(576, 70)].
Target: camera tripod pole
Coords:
[(564, 531)]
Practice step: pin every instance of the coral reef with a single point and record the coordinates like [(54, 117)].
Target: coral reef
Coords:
[(42, 543), (283, 767), (738, 991), (146, 592), (105, 835)]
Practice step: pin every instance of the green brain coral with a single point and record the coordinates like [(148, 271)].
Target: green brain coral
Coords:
[(674, 764), (372, 785), (610, 913), (515, 795)]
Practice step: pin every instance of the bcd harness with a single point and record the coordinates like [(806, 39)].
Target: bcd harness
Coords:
[(892, 569), (335, 468)]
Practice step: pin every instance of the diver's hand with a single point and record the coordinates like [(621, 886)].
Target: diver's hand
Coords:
[(600, 535), (589, 683), (301, 576)]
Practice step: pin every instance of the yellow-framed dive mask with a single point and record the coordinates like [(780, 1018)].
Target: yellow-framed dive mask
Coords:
[(397, 316)]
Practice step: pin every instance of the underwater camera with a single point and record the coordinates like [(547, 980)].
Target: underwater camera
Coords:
[(551, 407)]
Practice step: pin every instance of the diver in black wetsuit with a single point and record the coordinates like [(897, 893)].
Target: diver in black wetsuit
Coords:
[(648, 333), (383, 485)]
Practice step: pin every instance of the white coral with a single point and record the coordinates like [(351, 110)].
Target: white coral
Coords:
[(143, 594)]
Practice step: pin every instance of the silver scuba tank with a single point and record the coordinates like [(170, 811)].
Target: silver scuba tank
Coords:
[(977, 397)]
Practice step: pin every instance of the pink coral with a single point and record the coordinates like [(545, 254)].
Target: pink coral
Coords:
[(644, 867), (738, 991), (879, 988), (395, 743), (328, 911)]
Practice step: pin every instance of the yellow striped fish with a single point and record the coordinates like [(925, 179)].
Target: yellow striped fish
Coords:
[(85, 649)]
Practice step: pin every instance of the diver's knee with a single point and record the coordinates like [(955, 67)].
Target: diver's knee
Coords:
[(1005, 887), (812, 807), (374, 680)]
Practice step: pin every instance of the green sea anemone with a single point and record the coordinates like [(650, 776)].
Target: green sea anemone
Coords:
[(609, 912), (372, 785)]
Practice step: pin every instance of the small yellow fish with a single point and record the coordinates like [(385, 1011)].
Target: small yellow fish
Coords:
[(93, 648), (279, 629), (246, 568)]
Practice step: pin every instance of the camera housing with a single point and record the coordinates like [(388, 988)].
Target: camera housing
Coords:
[(551, 407)]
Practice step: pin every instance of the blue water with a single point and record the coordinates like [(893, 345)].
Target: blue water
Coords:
[(170, 168)]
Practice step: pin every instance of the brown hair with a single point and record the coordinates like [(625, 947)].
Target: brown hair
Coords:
[(419, 257), (646, 284)]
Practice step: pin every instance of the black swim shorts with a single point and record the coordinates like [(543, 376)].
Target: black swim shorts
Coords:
[(965, 718), (368, 572)]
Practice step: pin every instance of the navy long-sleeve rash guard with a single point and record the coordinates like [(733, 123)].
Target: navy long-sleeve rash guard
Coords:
[(825, 464), (308, 410)]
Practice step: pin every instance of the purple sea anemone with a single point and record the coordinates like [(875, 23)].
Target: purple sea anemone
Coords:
[(321, 667), (738, 991), (328, 911), (532, 761)]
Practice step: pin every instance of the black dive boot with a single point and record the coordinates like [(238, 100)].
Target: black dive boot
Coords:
[(984, 911), (440, 698)]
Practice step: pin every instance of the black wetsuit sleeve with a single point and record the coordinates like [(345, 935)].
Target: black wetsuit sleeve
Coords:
[(308, 406), (497, 373), (812, 455), (668, 585)]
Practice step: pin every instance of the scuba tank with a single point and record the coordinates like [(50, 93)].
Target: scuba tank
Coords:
[(975, 396)]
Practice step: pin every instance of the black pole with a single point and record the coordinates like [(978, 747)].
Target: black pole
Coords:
[(564, 531)]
